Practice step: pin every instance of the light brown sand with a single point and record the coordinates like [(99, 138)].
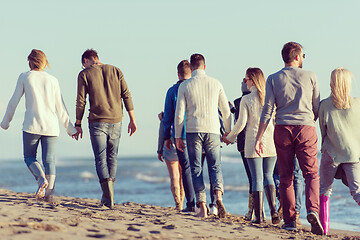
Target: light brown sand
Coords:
[(22, 217)]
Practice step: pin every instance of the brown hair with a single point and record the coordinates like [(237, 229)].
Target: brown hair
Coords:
[(89, 54), (37, 60), (290, 51), (258, 78), (340, 84), (196, 60), (184, 68)]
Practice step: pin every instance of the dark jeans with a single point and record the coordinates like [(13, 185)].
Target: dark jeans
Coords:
[(247, 170), (186, 176), (105, 138)]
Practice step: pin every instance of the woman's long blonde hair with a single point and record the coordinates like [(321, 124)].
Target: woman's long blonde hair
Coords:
[(340, 85), (258, 78), (37, 60)]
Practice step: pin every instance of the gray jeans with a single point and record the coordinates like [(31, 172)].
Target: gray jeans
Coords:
[(327, 173)]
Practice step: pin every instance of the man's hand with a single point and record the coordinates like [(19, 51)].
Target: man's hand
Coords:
[(132, 127), (79, 132), (168, 144), (259, 147), (180, 144), (160, 157)]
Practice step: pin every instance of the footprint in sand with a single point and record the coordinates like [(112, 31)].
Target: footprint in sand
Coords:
[(131, 228)]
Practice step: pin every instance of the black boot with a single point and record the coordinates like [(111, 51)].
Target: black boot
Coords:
[(107, 198), (258, 206), (270, 193)]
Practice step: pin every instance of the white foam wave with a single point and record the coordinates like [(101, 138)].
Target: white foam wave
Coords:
[(152, 179)]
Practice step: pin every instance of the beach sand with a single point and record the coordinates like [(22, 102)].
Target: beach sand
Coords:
[(22, 217)]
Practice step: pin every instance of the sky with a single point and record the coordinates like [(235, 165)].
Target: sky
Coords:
[(147, 39)]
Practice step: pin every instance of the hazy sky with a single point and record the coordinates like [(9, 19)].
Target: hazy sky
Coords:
[(147, 39)]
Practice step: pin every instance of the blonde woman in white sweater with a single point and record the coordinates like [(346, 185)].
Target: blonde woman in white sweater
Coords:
[(43, 106), (261, 168)]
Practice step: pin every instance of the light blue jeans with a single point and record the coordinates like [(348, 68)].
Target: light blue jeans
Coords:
[(210, 143), (105, 138), (30, 145), (262, 170)]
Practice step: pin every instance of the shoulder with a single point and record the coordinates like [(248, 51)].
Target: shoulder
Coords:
[(326, 104)]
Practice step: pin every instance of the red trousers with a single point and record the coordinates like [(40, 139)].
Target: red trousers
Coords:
[(302, 141)]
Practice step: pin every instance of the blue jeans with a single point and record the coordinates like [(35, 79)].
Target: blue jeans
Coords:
[(105, 138), (298, 183), (186, 176), (30, 145), (262, 170), (210, 143)]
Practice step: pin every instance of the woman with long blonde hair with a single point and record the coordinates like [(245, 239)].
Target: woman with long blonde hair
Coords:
[(339, 117), (261, 168), (44, 106)]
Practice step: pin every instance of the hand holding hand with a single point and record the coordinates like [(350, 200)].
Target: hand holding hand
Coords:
[(79, 132)]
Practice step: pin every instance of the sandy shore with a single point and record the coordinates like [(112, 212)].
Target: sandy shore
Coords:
[(22, 217)]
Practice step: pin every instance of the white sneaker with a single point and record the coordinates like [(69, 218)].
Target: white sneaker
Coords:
[(213, 209)]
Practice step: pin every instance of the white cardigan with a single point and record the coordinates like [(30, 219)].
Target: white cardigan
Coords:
[(249, 115), (42, 100), (201, 97)]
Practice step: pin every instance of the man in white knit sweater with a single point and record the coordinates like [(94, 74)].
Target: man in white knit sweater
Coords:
[(201, 97)]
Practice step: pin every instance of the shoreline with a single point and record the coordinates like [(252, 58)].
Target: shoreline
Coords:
[(22, 217)]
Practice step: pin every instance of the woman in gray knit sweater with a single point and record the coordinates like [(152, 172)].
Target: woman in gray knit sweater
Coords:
[(339, 118)]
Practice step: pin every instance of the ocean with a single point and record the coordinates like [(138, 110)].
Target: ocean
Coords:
[(145, 180)]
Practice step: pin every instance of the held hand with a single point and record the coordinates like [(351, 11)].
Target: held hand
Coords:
[(79, 132), (132, 127), (5, 126), (160, 156), (161, 115), (179, 144), (259, 147), (168, 144)]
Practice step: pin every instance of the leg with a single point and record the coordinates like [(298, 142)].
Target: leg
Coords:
[(186, 178), (250, 213), (256, 170), (352, 172), (285, 150), (270, 189), (98, 137), (195, 146), (213, 158), (30, 144), (112, 149), (48, 156), (182, 192), (306, 153), (298, 188), (173, 168)]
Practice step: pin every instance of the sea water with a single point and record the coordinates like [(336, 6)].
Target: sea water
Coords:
[(146, 180)]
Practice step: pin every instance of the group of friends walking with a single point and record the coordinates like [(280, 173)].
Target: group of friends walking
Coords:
[(275, 130)]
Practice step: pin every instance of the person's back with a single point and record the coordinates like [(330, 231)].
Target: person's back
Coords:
[(203, 96), (294, 91), (106, 88)]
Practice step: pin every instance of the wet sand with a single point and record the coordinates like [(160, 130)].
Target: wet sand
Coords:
[(22, 217)]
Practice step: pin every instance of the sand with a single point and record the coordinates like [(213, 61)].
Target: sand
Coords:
[(22, 217)]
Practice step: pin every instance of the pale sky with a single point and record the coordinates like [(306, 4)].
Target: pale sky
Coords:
[(147, 39)]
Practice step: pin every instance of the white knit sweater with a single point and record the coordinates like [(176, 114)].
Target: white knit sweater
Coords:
[(249, 115), (201, 97), (42, 100)]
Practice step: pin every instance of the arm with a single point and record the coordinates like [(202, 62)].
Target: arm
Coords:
[(225, 110), (240, 123), (80, 103), (169, 112), (160, 141), (322, 123), (14, 101), (179, 117), (316, 98), (132, 124), (260, 133), (62, 111)]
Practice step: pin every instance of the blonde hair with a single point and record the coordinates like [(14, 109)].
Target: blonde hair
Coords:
[(340, 85), (258, 78), (37, 60)]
